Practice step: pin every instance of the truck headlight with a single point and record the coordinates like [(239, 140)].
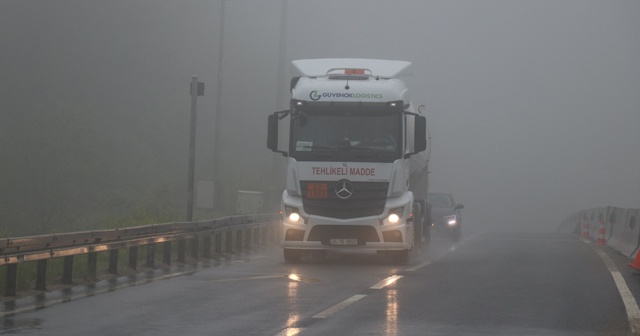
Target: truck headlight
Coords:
[(395, 214), (292, 214)]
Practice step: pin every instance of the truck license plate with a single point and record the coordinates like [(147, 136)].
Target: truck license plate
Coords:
[(343, 242)]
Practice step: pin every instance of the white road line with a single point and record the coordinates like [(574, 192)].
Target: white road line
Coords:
[(339, 306), (633, 312), (417, 267), (386, 282), (290, 332)]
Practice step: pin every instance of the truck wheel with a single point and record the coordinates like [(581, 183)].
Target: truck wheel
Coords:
[(292, 256), (417, 224), (427, 235), (427, 226)]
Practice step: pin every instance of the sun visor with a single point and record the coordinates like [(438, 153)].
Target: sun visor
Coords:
[(320, 67)]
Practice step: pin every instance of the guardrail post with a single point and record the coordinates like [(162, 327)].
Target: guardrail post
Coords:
[(92, 264), (41, 275), (218, 243), (262, 232), (133, 257), (206, 248), (194, 247), (239, 240), (273, 233), (228, 243), (266, 235), (151, 255), (270, 235), (181, 251), (247, 238), (67, 270), (166, 253), (256, 236), (113, 262), (11, 283)]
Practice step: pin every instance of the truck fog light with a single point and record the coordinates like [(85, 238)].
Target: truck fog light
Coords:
[(393, 218)]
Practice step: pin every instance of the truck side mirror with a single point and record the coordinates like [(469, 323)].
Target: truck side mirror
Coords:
[(272, 133), (420, 134)]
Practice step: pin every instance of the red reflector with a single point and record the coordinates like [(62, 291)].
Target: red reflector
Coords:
[(354, 71)]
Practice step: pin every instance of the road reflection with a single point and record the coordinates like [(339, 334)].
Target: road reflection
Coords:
[(294, 314), (392, 313)]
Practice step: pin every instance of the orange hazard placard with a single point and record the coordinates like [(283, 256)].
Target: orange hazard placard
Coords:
[(317, 190)]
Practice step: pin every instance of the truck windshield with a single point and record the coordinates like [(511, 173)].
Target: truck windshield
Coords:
[(341, 134)]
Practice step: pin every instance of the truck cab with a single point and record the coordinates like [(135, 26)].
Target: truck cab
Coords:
[(352, 133)]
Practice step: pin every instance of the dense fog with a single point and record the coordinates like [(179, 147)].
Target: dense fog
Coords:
[(533, 106)]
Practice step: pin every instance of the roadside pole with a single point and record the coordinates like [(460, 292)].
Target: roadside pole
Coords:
[(196, 89)]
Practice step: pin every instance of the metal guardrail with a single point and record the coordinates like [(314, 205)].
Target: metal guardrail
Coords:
[(249, 229)]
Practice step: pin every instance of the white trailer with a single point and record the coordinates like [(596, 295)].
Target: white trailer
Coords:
[(356, 154)]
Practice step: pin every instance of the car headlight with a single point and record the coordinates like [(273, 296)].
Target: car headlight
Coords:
[(451, 220)]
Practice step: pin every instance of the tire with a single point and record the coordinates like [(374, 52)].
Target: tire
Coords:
[(418, 219), (426, 228), (292, 256)]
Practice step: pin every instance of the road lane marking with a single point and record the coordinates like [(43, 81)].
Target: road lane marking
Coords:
[(290, 332), (630, 304), (386, 282), (326, 313)]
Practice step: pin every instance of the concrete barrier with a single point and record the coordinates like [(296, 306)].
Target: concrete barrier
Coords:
[(615, 227), (631, 236)]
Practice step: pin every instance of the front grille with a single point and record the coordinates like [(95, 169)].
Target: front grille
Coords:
[(363, 233), (368, 199)]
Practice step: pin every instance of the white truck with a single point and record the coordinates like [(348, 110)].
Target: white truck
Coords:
[(356, 176)]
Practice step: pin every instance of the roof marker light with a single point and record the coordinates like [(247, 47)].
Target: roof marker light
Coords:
[(354, 71)]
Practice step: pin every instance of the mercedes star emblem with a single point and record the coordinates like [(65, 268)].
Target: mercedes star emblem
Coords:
[(344, 189)]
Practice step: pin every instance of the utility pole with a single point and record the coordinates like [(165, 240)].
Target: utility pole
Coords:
[(196, 89), (281, 102), (218, 116), (277, 162)]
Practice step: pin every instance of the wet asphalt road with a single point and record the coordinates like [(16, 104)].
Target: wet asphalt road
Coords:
[(488, 284)]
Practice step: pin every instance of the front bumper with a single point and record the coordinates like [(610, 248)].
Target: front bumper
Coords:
[(364, 234), (443, 227)]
